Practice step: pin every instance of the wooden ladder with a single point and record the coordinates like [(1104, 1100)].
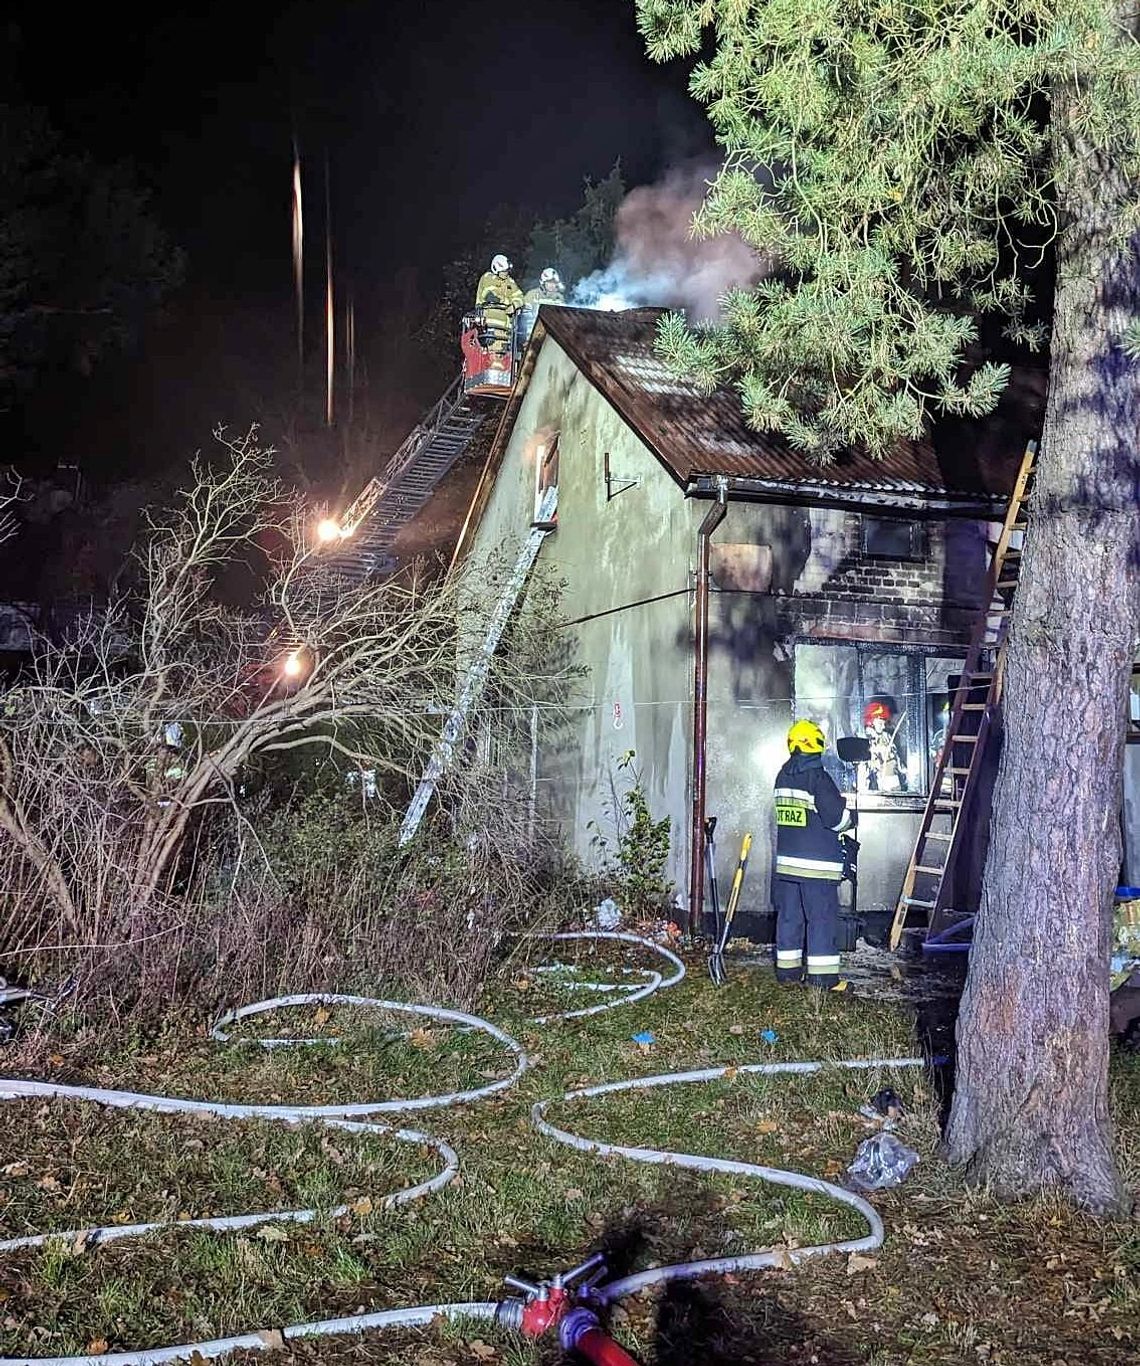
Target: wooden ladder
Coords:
[(975, 703)]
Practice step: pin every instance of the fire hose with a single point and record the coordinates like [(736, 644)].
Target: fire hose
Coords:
[(573, 1302)]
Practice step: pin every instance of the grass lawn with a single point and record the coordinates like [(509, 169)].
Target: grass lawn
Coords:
[(960, 1278)]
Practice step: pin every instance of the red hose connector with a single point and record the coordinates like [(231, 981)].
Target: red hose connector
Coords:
[(581, 1332), (544, 1312)]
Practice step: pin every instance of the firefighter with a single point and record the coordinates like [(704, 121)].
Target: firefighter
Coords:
[(549, 290), (500, 298), (885, 765), (497, 288), (811, 815)]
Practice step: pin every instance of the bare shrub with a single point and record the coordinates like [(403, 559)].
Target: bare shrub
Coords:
[(128, 847)]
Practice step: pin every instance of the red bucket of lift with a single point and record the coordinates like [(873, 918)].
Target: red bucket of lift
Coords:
[(487, 343)]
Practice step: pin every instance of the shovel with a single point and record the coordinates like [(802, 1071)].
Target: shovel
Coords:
[(710, 869), (716, 958)]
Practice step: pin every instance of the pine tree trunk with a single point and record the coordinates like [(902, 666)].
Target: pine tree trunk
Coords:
[(1030, 1107)]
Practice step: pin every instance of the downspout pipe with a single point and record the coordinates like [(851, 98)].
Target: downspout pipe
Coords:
[(712, 520)]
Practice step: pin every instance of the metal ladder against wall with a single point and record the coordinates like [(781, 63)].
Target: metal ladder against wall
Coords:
[(477, 674), (392, 498), (975, 703)]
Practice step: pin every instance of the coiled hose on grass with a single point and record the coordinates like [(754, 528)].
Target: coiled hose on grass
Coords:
[(354, 1118)]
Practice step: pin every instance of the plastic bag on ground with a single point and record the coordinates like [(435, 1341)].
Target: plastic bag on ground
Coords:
[(607, 914), (881, 1162)]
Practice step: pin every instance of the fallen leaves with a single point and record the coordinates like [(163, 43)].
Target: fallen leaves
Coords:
[(482, 1351), (20, 1168), (767, 1126), (273, 1338), (362, 1206), (96, 1347), (856, 1263), (272, 1233)]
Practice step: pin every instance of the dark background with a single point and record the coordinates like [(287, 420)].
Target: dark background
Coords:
[(430, 115)]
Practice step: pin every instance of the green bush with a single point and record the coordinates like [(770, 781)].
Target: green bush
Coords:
[(636, 851)]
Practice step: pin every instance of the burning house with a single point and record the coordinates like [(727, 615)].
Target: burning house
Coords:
[(846, 593)]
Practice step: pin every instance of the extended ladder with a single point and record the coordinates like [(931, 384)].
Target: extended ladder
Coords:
[(371, 522), (476, 678), (971, 716)]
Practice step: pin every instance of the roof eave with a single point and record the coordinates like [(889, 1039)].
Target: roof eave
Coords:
[(919, 502)]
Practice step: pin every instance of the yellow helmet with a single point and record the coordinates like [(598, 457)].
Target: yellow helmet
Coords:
[(805, 737)]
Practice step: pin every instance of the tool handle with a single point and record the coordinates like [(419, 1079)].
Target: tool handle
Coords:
[(738, 878)]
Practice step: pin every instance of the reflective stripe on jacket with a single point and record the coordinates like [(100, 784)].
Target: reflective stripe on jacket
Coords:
[(498, 289), (810, 814), (538, 295)]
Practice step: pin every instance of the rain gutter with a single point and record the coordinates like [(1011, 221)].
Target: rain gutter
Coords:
[(981, 507)]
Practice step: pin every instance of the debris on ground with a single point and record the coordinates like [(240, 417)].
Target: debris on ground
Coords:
[(881, 1162), (887, 1103), (607, 914)]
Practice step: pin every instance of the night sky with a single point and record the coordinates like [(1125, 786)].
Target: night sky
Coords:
[(431, 113)]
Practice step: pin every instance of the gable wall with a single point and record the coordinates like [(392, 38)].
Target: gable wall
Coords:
[(613, 554)]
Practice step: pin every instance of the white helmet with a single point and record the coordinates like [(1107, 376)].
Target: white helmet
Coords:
[(550, 277), (500, 265)]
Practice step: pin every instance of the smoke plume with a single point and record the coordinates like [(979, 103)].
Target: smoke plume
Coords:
[(657, 261)]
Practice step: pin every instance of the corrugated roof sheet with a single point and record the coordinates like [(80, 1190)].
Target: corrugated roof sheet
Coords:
[(695, 435)]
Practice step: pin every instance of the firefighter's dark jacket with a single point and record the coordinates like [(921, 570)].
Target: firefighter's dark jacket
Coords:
[(810, 814)]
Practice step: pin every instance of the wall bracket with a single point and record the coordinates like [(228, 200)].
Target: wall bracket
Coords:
[(616, 483)]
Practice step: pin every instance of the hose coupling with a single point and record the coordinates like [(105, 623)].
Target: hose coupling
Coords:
[(509, 1313), (577, 1323)]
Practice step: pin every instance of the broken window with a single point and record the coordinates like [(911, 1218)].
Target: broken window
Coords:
[(545, 471), (897, 699), (892, 538)]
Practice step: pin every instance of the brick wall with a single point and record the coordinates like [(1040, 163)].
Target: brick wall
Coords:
[(860, 596)]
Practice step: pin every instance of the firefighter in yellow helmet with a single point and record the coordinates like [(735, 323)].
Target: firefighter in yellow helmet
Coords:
[(811, 815), (500, 298)]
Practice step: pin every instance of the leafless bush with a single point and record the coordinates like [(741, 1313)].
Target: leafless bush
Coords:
[(7, 498), (124, 832)]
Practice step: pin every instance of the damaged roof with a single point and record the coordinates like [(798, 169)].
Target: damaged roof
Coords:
[(969, 467)]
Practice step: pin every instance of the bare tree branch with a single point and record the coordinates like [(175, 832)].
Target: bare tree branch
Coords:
[(125, 737)]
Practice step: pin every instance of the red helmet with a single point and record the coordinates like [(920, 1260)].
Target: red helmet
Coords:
[(876, 711)]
